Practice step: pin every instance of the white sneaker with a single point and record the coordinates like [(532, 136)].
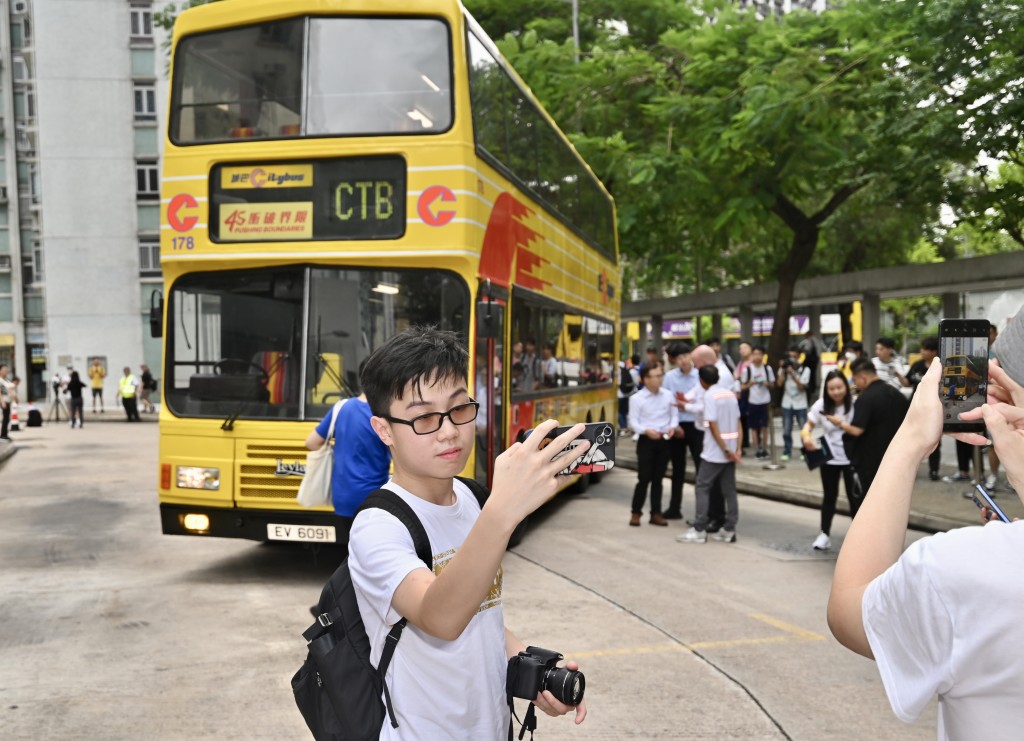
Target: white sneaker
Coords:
[(693, 535), (725, 536), (991, 481), (822, 542)]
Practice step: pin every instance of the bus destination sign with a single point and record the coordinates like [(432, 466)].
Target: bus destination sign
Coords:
[(345, 198)]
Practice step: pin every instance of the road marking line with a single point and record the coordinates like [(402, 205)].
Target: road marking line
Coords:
[(792, 633), (806, 635)]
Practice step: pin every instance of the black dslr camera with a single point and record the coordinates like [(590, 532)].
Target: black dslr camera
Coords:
[(536, 669)]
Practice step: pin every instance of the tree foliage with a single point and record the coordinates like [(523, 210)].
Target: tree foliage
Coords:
[(742, 150)]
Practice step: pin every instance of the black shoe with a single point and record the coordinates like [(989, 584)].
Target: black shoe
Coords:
[(672, 515), (713, 526), (933, 475)]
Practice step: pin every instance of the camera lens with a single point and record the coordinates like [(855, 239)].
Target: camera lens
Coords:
[(566, 685)]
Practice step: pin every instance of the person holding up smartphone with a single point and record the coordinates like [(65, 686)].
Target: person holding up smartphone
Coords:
[(942, 618)]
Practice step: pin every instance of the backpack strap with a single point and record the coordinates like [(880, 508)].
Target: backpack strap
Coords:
[(396, 506), (478, 489)]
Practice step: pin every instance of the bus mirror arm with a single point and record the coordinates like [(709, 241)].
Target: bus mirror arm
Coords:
[(156, 314), (489, 319)]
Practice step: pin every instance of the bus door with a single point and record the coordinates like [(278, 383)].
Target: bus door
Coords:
[(491, 317)]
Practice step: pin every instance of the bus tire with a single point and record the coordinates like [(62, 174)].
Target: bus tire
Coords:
[(518, 533)]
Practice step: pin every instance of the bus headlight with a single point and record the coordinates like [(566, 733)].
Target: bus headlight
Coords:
[(193, 477), (196, 523)]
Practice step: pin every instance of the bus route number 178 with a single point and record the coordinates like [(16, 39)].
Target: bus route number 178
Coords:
[(301, 533)]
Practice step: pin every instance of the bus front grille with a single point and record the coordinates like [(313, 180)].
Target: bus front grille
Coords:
[(271, 472)]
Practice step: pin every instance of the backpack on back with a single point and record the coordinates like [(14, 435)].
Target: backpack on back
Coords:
[(626, 384), (337, 688)]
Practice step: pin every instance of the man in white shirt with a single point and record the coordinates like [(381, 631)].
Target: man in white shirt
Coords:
[(943, 618), (720, 456), (654, 419), (889, 367), (705, 355), (447, 677), (757, 379), (6, 398)]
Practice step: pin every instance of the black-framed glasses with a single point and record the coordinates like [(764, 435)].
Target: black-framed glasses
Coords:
[(425, 424)]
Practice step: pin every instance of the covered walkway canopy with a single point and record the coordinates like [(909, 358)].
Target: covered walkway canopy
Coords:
[(949, 279)]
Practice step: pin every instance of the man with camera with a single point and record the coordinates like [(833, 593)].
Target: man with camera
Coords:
[(448, 677), (793, 378)]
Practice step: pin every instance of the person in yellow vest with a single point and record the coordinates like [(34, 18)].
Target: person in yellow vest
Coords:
[(127, 389), (96, 375)]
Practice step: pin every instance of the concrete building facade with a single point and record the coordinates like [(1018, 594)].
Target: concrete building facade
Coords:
[(79, 227)]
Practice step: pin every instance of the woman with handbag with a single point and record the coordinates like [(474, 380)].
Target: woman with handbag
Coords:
[(830, 411), (359, 461)]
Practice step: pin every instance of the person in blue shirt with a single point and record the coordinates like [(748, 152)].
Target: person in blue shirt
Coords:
[(361, 460), (679, 381)]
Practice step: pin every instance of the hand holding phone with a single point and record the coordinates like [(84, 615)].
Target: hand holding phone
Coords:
[(983, 499), (963, 351), (599, 457)]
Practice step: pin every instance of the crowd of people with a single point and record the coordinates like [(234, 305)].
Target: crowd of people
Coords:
[(845, 423)]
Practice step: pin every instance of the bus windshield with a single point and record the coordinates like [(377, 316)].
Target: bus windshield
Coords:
[(286, 343), (313, 77)]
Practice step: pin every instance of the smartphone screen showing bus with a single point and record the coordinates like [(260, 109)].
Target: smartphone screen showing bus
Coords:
[(963, 350)]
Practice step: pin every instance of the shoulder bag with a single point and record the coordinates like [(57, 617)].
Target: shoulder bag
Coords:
[(315, 489)]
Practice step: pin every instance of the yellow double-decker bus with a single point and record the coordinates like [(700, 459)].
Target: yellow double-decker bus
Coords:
[(334, 173), (961, 377)]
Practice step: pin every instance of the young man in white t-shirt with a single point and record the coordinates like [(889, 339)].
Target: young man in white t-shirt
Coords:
[(719, 458), (757, 379), (943, 618), (447, 676)]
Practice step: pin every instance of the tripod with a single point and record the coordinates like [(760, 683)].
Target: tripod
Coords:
[(53, 415)]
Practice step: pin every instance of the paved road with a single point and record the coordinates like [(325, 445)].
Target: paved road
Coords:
[(110, 630)]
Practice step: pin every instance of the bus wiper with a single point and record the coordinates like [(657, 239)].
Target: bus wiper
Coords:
[(229, 424)]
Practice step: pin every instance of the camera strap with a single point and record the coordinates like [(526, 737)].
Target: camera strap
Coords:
[(528, 723)]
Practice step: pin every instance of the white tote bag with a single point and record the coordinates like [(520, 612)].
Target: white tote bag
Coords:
[(315, 489)]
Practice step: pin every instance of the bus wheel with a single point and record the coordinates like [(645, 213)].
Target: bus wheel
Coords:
[(518, 533)]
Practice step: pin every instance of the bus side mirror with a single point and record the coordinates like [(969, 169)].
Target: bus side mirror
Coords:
[(156, 314), (490, 319)]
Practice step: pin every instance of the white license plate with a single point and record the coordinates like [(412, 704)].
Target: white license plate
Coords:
[(302, 533)]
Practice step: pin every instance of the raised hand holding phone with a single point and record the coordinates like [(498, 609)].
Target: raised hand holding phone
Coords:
[(963, 351), (524, 475)]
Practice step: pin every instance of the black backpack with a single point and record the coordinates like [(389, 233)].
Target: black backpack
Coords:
[(626, 384), (337, 689)]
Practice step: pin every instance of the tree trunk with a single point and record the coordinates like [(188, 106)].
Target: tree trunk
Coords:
[(805, 241)]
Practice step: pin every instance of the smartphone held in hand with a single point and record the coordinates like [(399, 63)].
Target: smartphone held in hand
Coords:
[(963, 350), (983, 499), (600, 456)]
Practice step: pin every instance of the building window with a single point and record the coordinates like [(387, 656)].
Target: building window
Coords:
[(19, 68), (30, 104), (145, 102), (32, 272), (37, 262), (34, 187), (142, 23), (149, 258), (147, 180)]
